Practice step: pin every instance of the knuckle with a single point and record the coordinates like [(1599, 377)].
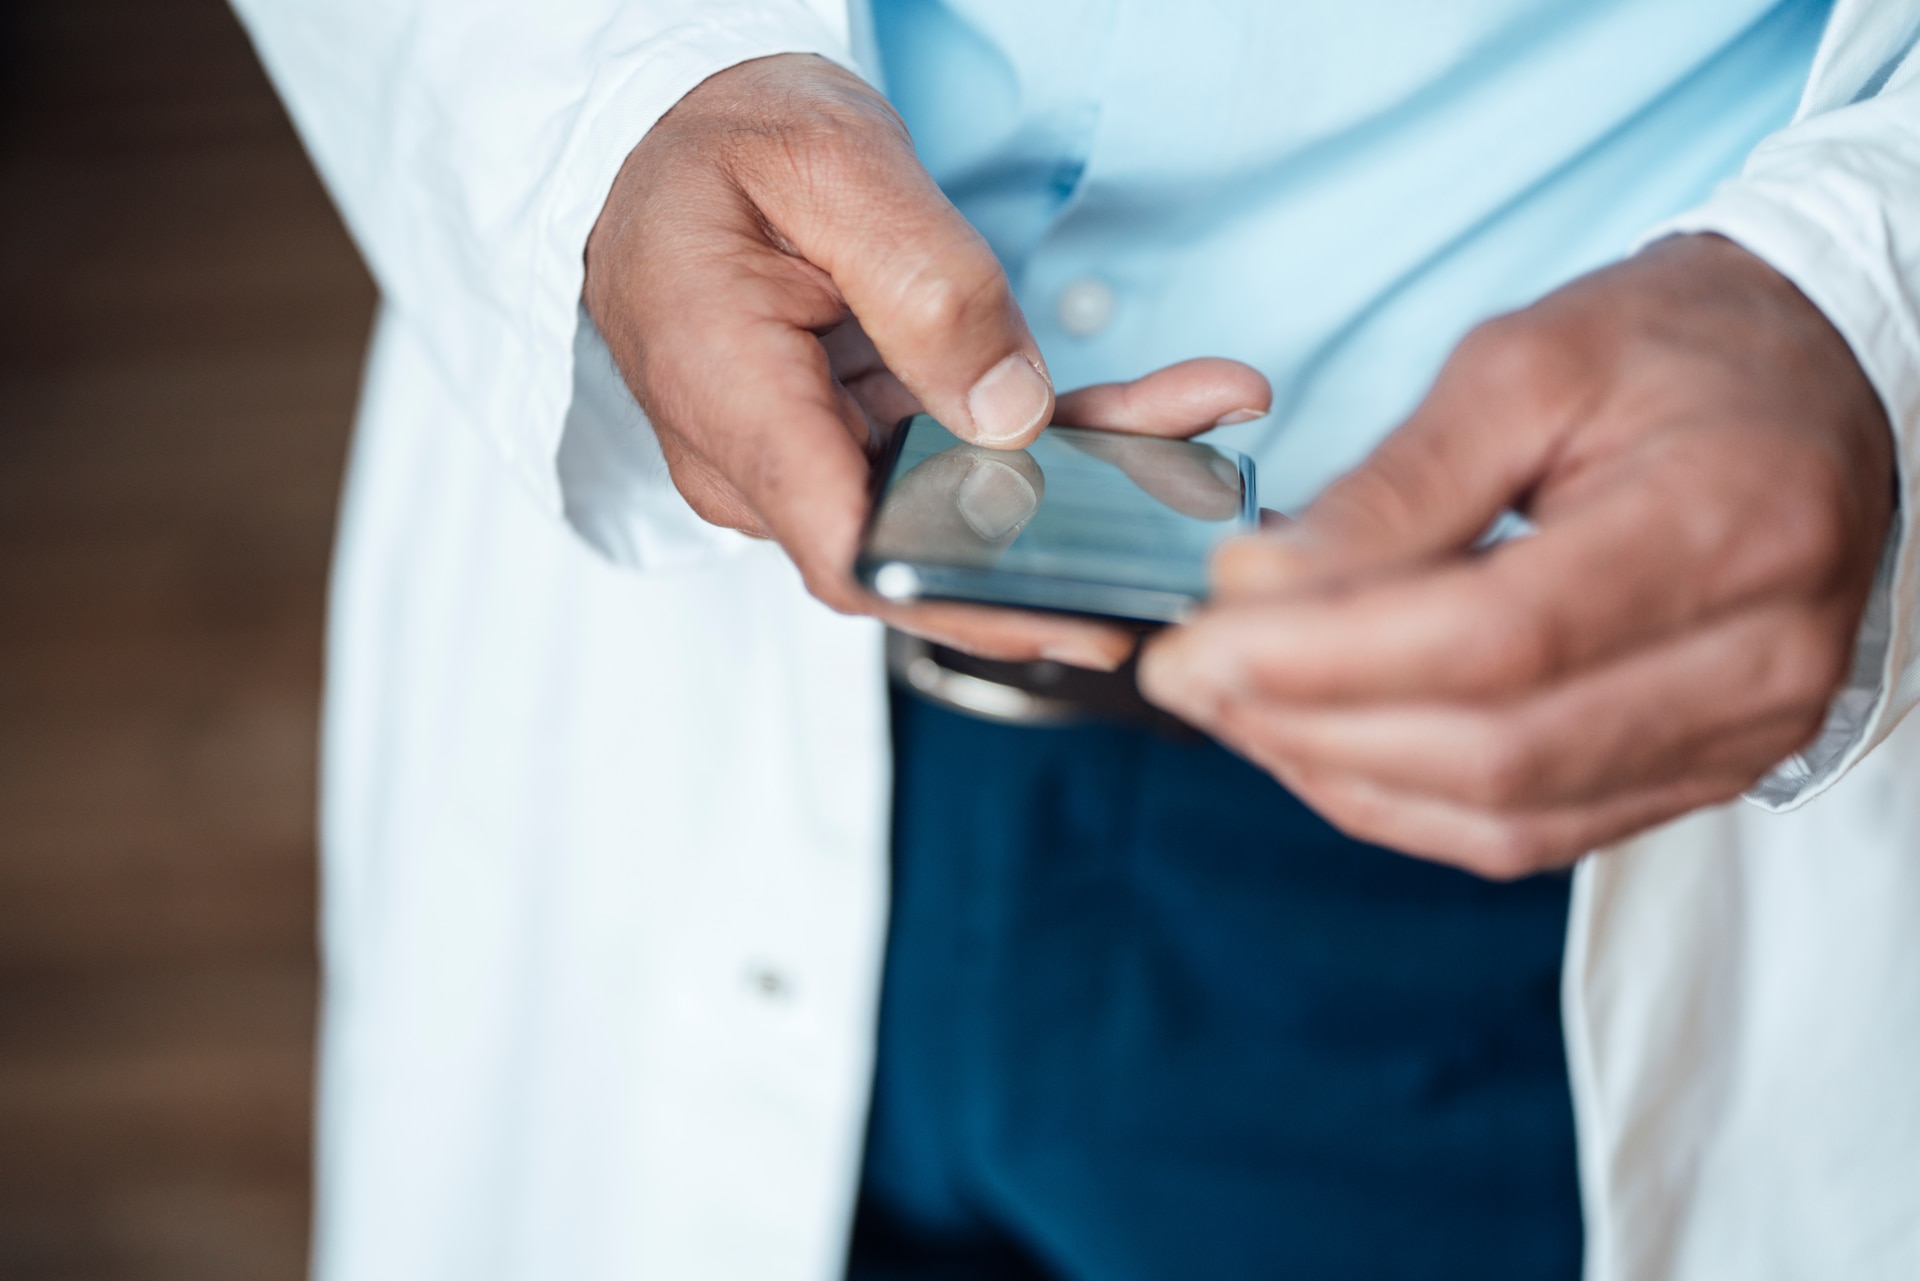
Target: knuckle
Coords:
[(821, 152), (1253, 729), (1524, 649), (1519, 360), (1502, 769), (832, 590), (1705, 532), (1786, 520), (1352, 820), (1811, 532), (941, 298), (716, 503), (1352, 815), (851, 111), (1803, 665), (1509, 852), (1500, 349)]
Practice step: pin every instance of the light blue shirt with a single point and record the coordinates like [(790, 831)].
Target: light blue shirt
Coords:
[(1332, 192)]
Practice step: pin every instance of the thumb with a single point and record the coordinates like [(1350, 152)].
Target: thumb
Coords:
[(924, 284), (1442, 482)]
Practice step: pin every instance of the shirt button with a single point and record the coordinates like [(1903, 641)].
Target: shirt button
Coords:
[(1085, 306), (769, 983)]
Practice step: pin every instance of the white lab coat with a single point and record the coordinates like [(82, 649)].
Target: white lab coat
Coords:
[(606, 792)]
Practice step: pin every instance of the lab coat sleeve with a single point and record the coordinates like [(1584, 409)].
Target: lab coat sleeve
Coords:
[(1833, 203), (470, 145)]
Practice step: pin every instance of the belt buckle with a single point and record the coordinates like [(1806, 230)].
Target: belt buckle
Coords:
[(1041, 693), (913, 661)]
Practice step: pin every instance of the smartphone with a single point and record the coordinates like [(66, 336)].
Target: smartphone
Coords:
[(1078, 522)]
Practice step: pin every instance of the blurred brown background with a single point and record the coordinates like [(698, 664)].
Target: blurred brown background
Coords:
[(180, 339)]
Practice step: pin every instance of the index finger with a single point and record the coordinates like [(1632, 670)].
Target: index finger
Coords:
[(777, 428), (1178, 401), (1181, 400)]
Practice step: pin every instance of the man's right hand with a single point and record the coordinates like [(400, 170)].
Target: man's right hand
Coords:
[(780, 281)]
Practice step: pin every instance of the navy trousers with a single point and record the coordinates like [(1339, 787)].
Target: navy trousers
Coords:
[(1145, 1016)]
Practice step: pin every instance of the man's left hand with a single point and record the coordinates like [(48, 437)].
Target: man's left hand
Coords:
[(1710, 473)]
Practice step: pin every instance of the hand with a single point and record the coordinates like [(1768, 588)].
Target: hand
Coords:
[(1711, 475), (779, 279)]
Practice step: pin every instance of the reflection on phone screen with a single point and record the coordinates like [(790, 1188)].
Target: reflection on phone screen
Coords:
[(1088, 506)]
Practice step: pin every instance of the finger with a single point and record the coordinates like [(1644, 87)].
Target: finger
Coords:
[(1636, 562), (711, 495), (787, 439), (1479, 440), (926, 287), (1490, 844), (1180, 400), (1466, 760), (1735, 698), (857, 366), (1014, 636)]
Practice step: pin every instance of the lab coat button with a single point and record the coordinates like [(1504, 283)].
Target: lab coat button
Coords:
[(1085, 306)]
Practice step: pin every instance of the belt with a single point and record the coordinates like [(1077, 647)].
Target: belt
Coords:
[(1042, 693)]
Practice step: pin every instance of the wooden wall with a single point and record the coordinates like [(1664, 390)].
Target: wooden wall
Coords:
[(181, 325)]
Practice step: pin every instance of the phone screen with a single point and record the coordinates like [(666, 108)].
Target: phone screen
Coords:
[(1079, 521)]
